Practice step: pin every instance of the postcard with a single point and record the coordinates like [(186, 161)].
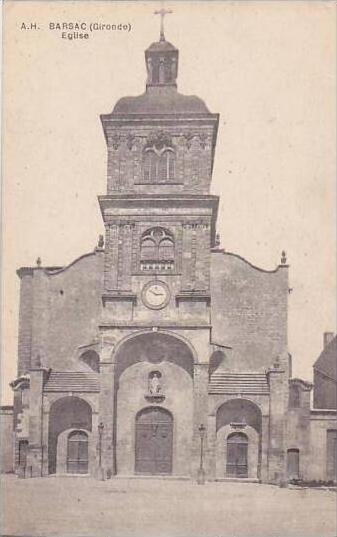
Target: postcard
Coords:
[(169, 269)]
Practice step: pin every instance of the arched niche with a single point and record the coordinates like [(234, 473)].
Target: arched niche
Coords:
[(66, 413), (91, 360), (154, 347), (241, 412), (216, 359)]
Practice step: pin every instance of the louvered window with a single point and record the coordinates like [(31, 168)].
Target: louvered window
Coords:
[(159, 168)]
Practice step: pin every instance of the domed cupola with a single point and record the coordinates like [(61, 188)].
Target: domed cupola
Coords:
[(161, 64), (161, 59)]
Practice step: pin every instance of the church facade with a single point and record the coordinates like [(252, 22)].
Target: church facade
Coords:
[(160, 353)]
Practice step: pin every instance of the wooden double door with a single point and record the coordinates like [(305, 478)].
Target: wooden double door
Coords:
[(77, 453), (154, 442), (237, 455)]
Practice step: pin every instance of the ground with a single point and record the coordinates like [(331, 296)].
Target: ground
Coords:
[(83, 506)]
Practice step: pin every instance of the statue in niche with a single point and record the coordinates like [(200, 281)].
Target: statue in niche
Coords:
[(154, 383)]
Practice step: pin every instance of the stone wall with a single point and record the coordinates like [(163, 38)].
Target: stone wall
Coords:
[(249, 311), (317, 465), (59, 312)]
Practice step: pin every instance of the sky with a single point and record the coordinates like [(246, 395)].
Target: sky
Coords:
[(268, 69)]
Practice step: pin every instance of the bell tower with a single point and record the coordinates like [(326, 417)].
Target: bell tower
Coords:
[(160, 225), (158, 213)]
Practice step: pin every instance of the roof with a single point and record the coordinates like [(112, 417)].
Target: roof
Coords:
[(161, 100), (326, 363), (161, 46), (238, 383), (72, 381)]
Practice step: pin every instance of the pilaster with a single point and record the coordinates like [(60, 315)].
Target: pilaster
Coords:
[(107, 412), (35, 452), (200, 399), (277, 425)]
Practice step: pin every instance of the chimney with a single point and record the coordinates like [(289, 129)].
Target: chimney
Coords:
[(327, 338)]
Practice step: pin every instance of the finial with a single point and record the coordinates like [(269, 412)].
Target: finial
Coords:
[(38, 261), (217, 240), (100, 243), (162, 12), (283, 258)]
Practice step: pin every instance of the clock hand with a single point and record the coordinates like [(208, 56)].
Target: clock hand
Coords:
[(156, 294)]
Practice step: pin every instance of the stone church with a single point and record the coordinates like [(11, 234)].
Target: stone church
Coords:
[(159, 353)]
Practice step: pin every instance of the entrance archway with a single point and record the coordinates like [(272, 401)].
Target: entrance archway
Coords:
[(77, 453), (237, 455), (238, 439), (137, 360), (69, 412), (154, 441)]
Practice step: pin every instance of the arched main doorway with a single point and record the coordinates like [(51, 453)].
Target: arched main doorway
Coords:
[(154, 441), (77, 453), (237, 455), (138, 360)]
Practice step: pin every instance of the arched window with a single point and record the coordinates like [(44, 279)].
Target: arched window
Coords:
[(157, 250), (166, 250), (148, 250), (166, 166), (150, 164), (159, 167)]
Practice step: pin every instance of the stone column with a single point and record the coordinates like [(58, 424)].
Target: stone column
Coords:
[(106, 412), (200, 399)]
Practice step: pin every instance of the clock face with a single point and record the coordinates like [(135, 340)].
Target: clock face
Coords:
[(155, 295)]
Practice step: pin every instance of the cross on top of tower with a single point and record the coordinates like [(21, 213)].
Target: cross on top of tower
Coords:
[(162, 12)]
